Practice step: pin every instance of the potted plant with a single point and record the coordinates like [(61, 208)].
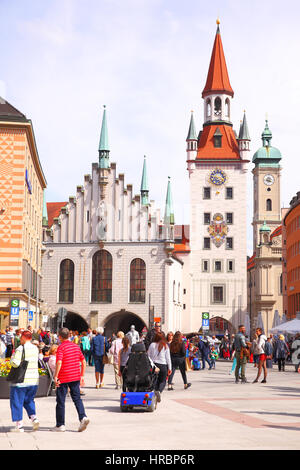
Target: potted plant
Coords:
[(5, 366)]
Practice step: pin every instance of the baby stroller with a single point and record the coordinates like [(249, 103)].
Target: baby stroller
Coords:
[(138, 381)]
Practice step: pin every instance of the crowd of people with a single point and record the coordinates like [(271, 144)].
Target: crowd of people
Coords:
[(68, 353)]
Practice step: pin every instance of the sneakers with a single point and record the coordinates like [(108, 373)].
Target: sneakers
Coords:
[(83, 424), (97, 386), (35, 424), (17, 429), (264, 381), (170, 387), (61, 428), (187, 386)]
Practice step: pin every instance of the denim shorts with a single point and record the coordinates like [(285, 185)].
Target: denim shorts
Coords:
[(99, 366)]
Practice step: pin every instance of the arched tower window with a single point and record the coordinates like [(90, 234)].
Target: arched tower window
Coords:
[(218, 106), (137, 281), (102, 267), (269, 205), (66, 281), (227, 108), (208, 108)]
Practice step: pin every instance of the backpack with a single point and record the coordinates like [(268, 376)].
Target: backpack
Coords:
[(46, 339)]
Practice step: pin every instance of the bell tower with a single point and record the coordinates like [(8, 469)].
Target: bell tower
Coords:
[(266, 186)]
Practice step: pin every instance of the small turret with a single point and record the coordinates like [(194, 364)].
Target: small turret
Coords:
[(244, 136), (192, 140), (103, 144), (144, 186)]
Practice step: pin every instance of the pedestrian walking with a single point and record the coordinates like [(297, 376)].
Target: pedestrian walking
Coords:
[(159, 353), (99, 348), (204, 348), (124, 354), (151, 334), (281, 352), (69, 375), (9, 340), (115, 348), (269, 353), (242, 352), (22, 394), (85, 346), (177, 353), (261, 341)]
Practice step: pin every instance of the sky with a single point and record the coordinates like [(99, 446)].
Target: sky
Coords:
[(147, 61)]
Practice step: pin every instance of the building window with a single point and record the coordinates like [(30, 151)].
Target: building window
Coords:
[(229, 193), (205, 266), (218, 294), (138, 281), (229, 243), (206, 218), (229, 217), (218, 106), (218, 266), (66, 281), (230, 266), (206, 193), (206, 243), (102, 277), (208, 108), (269, 205)]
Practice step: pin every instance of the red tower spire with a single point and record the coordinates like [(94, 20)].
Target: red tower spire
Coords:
[(217, 78)]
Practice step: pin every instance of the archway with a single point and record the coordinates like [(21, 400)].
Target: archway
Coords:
[(73, 322), (122, 321), (218, 326)]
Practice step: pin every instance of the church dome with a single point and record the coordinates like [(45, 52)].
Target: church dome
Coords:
[(267, 154)]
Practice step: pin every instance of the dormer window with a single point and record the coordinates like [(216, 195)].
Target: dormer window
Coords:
[(218, 138)]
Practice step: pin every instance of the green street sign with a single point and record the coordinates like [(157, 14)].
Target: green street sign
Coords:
[(15, 303), (205, 315)]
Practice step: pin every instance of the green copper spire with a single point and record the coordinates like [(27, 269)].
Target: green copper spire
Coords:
[(267, 156), (103, 144), (192, 135), (45, 212), (244, 132), (144, 185), (169, 210), (264, 227)]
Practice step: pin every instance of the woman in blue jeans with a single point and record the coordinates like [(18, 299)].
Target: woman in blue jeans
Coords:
[(177, 351), (22, 394)]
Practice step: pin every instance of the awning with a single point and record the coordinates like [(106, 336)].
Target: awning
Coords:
[(5, 314)]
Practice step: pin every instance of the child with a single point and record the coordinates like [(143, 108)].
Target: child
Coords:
[(52, 357), (213, 357)]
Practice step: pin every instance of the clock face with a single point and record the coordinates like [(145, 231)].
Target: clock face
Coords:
[(269, 180), (217, 177)]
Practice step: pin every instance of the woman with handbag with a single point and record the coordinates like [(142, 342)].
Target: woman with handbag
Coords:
[(114, 351), (24, 378)]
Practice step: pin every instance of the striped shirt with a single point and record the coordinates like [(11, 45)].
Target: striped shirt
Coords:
[(71, 356), (31, 355)]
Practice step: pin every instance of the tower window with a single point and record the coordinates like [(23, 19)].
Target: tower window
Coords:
[(206, 193), (205, 266), (207, 218), (227, 108), (229, 193), (229, 243), (269, 205), (208, 107), (206, 243), (229, 217), (218, 106), (218, 138), (218, 266)]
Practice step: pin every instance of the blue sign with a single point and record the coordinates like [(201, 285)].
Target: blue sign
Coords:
[(205, 320), (14, 316), (30, 315)]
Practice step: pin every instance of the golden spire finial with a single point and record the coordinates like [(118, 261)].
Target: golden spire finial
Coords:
[(218, 21)]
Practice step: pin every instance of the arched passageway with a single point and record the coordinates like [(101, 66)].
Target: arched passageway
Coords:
[(73, 322), (219, 326), (122, 321)]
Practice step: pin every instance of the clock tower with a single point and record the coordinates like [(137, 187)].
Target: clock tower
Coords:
[(217, 161), (266, 186)]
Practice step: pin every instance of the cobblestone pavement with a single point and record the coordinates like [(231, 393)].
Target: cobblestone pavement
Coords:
[(215, 413)]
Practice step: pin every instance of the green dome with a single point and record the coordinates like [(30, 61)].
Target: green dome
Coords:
[(267, 152), (265, 228), (267, 155)]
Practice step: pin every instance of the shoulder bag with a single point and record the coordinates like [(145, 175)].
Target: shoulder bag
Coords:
[(17, 374)]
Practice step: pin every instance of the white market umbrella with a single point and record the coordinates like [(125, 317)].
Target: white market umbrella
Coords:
[(260, 323), (276, 319), (283, 318), (292, 327), (247, 324)]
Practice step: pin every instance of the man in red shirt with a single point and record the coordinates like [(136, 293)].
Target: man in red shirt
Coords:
[(69, 375)]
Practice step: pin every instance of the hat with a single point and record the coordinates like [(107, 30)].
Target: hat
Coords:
[(281, 337)]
